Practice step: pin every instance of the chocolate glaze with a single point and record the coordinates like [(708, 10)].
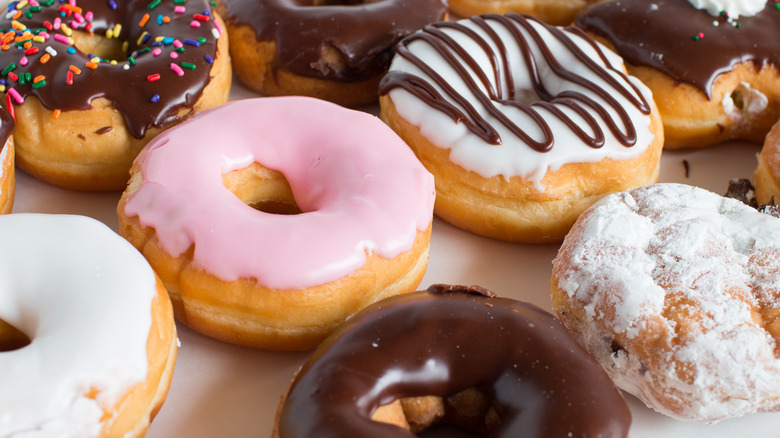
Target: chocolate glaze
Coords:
[(128, 89), (440, 342), (7, 127), (363, 32), (660, 34), (457, 107)]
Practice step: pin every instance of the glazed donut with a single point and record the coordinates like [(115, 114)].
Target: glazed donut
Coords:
[(518, 144), (714, 78), (767, 173), (90, 82), (252, 276), (674, 290), (335, 50), (87, 333), (555, 12), (497, 365), (7, 170)]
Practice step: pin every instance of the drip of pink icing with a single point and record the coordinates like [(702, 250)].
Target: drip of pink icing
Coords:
[(360, 188)]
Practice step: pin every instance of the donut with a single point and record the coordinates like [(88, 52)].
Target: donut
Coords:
[(555, 12), (767, 173), (90, 82), (714, 77), (518, 144), (674, 290), (342, 217), (87, 336), (7, 175), (492, 365), (336, 50)]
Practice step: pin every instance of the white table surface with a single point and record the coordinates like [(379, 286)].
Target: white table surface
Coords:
[(221, 390)]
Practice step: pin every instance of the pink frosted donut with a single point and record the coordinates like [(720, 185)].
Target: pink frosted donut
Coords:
[(341, 218)]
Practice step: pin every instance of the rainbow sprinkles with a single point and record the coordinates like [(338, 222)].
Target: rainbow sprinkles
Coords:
[(150, 59)]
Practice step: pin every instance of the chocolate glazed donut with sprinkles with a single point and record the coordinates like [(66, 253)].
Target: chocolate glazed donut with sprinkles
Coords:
[(90, 82)]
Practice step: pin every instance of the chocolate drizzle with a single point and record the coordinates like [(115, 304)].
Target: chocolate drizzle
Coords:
[(435, 91), (663, 35), (444, 341), (364, 33), (126, 83)]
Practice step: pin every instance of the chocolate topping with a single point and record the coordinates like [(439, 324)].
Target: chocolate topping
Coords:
[(440, 343), (7, 127), (664, 35), (364, 33), (129, 84), (457, 107)]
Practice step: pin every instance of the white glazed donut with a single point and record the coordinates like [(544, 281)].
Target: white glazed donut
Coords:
[(675, 291), (523, 125), (102, 340), (282, 281)]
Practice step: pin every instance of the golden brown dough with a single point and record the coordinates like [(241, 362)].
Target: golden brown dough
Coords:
[(7, 177)]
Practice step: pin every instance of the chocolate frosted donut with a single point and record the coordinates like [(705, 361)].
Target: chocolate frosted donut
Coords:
[(331, 49), (91, 81), (536, 380), (713, 77)]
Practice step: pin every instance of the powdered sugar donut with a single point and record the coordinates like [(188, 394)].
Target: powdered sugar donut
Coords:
[(674, 290), (524, 125), (362, 202), (94, 340)]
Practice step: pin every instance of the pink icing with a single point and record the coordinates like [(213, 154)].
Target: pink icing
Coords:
[(360, 188)]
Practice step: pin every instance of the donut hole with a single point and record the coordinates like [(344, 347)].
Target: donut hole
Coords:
[(11, 338), (263, 189), (100, 46), (471, 412)]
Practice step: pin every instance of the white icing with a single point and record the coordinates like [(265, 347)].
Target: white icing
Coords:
[(734, 8), (514, 157), (708, 247), (753, 101), (83, 295)]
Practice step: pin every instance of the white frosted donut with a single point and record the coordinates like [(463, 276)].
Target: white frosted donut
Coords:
[(262, 279), (522, 124), (102, 340), (675, 291)]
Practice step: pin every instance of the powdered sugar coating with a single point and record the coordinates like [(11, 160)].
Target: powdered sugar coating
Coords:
[(679, 290)]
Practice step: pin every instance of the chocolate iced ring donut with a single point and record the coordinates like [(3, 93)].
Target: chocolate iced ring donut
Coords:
[(335, 50), (90, 82), (498, 365)]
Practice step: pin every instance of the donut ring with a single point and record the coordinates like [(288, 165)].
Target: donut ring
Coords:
[(7, 170), (673, 289), (114, 325), (336, 50), (272, 280), (466, 343), (86, 104), (714, 78), (555, 12), (519, 145)]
